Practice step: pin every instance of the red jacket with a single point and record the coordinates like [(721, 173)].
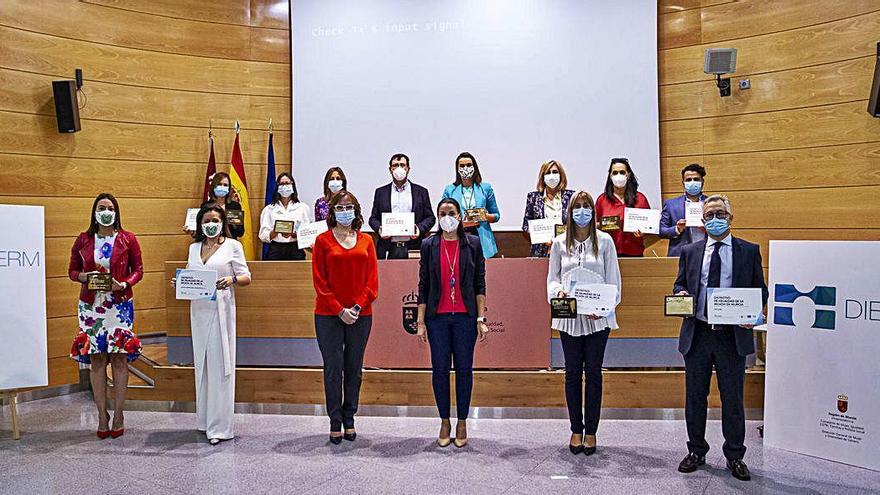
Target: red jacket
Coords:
[(626, 242), (126, 264)]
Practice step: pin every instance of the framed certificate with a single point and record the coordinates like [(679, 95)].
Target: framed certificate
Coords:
[(609, 223), (542, 231), (235, 217), (693, 213), (476, 215), (308, 232), (283, 226), (684, 306), (641, 219), (398, 224), (194, 285), (191, 215), (100, 282), (734, 306), (563, 307)]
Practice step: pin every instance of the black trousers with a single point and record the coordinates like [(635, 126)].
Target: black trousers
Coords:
[(387, 250), (584, 353), (718, 348), (452, 338), (342, 349), (284, 251)]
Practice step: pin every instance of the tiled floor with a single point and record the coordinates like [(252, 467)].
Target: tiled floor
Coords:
[(162, 453)]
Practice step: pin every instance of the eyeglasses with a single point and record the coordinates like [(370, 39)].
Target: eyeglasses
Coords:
[(720, 215), (341, 208)]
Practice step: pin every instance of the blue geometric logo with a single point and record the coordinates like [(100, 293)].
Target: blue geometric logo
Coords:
[(821, 295)]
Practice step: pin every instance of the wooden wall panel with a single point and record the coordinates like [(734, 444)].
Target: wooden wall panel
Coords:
[(258, 13)]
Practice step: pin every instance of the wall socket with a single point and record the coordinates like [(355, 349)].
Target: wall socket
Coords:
[(744, 84)]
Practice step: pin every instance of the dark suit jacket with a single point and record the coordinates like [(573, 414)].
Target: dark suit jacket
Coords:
[(747, 272), (422, 208), (673, 211), (472, 267)]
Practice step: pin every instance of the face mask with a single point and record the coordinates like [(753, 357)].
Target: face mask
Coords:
[(466, 172), (285, 190), (619, 180), (105, 217), (448, 223), (582, 216), (693, 187), (334, 185), (717, 226), (551, 180), (211, 229), (399, 173), (345, 218), (221, 191)]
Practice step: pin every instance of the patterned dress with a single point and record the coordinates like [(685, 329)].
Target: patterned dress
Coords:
[(105, 326), (322, 209)]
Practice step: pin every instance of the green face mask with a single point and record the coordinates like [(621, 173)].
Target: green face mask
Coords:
[(105, 217)]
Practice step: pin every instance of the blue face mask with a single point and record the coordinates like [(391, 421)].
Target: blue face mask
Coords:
[(717, 226), (221, 191), (345, 218), (582, 216), (693, 187)]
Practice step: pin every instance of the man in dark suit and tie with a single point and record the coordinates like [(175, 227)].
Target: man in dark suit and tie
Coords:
[(672, 220), (719, 261), (401, 196)]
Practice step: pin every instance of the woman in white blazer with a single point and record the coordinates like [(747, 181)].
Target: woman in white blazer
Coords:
[(213, 323)]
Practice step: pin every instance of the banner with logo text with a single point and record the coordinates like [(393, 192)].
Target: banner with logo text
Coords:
[(822, 389), (23, 295)]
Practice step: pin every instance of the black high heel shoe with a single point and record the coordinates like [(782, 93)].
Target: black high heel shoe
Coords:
[(335, 440), (350, 436), (575, 449), (589, 444)]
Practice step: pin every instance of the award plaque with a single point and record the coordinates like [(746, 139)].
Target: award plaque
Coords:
[(283, 227), (563, 307), (100, 281), (235, 217), (679, 306), (609, 223), (476, 215), (560, 229)]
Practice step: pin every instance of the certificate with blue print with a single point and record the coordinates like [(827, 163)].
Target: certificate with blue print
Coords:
[(195, 285), (734, 306)]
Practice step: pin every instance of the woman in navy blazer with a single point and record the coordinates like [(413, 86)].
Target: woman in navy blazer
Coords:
[(549, 200), (452, 302)]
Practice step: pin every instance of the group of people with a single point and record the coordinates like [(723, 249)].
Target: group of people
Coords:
[(451, 296)]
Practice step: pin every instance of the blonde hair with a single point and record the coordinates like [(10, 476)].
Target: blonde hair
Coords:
[(563, 180), (570, 225)]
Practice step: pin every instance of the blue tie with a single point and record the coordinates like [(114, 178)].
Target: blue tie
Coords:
[(714, 274)]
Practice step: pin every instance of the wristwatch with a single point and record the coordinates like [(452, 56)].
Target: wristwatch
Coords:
[(481, 319)]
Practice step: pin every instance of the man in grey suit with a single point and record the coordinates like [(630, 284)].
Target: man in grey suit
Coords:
[(724, 261)]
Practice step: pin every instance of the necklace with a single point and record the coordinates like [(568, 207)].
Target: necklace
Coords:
[(451, 263)]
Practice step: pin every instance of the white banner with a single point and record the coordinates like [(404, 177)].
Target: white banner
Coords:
[(822, 389), (23, 295)]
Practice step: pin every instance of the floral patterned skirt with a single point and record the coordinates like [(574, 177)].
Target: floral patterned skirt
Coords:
[(105, 327)]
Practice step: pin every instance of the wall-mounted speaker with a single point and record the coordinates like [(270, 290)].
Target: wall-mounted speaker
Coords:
[(874, 100), (66, 108)]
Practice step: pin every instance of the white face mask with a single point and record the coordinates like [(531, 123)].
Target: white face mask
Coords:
[(619, 180), (334, 185), (552, 180), (466, 172), (105, 217), (448, 223), (285, 190), (211, 229), (399, 173)]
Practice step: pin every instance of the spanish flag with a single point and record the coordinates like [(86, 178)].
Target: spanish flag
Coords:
[(239, 184)]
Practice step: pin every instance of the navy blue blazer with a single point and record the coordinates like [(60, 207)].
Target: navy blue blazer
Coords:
[(747, 272), (421, 206), (472, 268), (673, 211)]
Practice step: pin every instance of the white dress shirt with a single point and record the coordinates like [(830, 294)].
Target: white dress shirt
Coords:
[(726, 253), (553, 208), (401, 202), (605, 265), (297, 213)]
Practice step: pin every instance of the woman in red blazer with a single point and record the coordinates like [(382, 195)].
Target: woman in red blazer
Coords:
[(106, 316)]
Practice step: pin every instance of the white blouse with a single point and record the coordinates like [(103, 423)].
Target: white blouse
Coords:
[(297, 213), (553, 208), (562, 264)]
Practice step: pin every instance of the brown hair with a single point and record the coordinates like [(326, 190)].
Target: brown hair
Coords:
[(327, 179), (358, 218), (563, 179), (93, 222), (215, 181), (570, 226), (477, 178)]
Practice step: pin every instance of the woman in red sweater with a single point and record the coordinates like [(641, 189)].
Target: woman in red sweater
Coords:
[(106, 316), (621, 191), (346, 277)]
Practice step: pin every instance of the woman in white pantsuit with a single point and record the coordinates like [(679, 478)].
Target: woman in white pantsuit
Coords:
[(213, 323)]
